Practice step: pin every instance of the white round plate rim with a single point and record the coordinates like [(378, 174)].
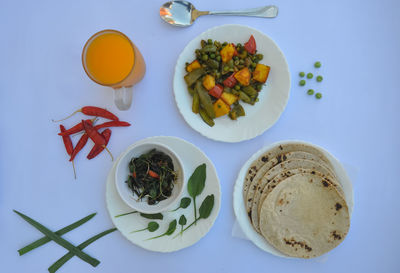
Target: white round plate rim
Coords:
[(238, 201), (273, 97), (199, 230), (126, 193)]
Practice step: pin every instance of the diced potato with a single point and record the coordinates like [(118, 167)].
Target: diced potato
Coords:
[(208, 82), (227, 53), (221, 108), (243, 76), (193, 65), (229, 98), (261, 72)]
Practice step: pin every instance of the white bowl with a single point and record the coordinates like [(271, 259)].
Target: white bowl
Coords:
[(122, 172)]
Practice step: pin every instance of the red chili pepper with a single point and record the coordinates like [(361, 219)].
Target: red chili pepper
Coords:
[(153, 174), (97, 149), (114, 123), (67, 141), (250, 45), (69, 147), (93, 111), (75, 129), (230, 81), (94, 135), (81, 143)]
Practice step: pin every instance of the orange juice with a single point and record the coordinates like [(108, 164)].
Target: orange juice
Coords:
[(110, 58)]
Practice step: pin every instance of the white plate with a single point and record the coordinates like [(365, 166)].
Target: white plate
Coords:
[(239, 205), (191, 157), (272, 99)]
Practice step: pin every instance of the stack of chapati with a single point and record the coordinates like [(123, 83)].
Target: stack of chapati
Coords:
[(295, 201)]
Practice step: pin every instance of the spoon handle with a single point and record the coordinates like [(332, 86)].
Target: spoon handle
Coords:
[(265, 12)]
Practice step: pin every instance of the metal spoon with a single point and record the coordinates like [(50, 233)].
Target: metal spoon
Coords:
[(183, 14)]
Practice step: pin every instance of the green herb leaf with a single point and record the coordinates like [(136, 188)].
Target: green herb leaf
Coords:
[(153, 226), (171, 229), (156, 216), (185, 202), (197, 181), (54, 267), (196, 184), (59, 240), (60, 232), (182, 220), (206, 207)]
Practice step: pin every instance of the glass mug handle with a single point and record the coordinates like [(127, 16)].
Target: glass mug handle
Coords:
[(123, 97)]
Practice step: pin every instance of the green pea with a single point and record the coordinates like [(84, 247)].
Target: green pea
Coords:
[(218, 58), (237, 87), (301, 74), (239, 45), (319, 78), (253, 65), (318, 95), (260, 56), (204, 57), (209, 41), (310, 92), (302, 82), (310, 75), (259, 87), (317, 64), (226, 68), (212, 56)]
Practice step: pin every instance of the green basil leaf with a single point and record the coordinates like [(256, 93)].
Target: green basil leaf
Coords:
[(197, 181), (206, 207), (182, 220), (185, 202), (153, 226), (156, 216), (171, 228)]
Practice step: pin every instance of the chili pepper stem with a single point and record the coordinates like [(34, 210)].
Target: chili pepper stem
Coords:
[(79, 110), (73, 167), (112, 158)]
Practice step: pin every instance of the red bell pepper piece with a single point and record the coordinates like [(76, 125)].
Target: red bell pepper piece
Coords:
[(230, 81), (250, 46), (216, 91)]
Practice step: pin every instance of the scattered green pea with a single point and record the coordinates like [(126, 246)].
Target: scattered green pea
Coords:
[(310, 92), (318, 95), (212, 56), (226, 68), (209, 41), (317, 64), (302, 83), (204, 57), (253, 65), (310, 75), (218, 58), (301, 74), (319, 78), (237, 87)]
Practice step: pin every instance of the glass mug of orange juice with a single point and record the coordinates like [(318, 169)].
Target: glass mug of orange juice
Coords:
[(111, 59)]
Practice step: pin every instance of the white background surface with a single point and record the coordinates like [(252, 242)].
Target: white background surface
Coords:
[(42, 78)]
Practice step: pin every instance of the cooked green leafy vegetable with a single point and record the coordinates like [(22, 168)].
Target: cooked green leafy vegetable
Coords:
[(152, 176)]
